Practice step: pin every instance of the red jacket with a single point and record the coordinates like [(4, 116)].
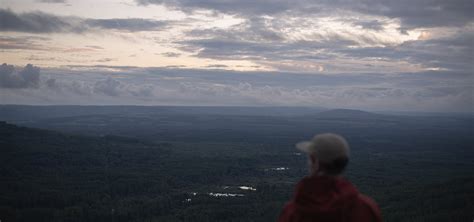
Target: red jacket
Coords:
[(329, 199)]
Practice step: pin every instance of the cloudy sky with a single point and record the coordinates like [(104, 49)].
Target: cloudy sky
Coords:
[(370, 54)]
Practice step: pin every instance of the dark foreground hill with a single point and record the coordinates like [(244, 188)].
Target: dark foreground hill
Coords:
[(50, 176), (193, 166)]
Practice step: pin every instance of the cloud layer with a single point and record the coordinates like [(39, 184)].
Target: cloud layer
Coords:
[(157, 86), (402, 55), (39, 22), (28, 77), (412, 14)]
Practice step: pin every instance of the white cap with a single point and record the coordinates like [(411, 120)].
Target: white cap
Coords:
[(326, 147)]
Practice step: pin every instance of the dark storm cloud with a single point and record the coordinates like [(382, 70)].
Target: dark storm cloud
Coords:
[(34, 22), (228, 6), (257, 38), (227, 49), (426, 13), (39, 22), (454, 53), (253, 29), (132, 24), (28, 77), (237, 49)]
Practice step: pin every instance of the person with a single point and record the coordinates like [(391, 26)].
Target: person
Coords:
[(325, 195)]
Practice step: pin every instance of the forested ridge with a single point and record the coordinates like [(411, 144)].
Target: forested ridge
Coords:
[(49, 176), (57, 176)]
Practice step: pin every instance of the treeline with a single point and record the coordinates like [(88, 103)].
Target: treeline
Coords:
[(50, 176)]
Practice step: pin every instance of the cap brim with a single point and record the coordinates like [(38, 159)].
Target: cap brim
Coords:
[(304, 146)]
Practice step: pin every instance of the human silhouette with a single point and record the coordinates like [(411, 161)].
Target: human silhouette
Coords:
[(324, 195)]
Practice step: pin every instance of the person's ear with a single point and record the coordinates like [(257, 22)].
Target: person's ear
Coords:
[(314, 164), (314, 160)]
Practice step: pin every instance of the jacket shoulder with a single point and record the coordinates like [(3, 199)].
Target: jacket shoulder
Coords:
[(287, 212), (366, 209)]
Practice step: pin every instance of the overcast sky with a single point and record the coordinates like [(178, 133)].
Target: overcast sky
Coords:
[(374, 55)]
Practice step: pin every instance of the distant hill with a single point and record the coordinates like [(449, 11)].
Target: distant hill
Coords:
[(26, 114), (347, 113)]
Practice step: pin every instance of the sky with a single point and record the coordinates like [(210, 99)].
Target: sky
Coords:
[(395, 55)]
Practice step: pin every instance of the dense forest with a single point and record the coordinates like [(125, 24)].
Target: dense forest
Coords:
[(150, 164)]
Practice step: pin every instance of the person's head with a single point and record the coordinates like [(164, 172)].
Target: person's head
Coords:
[(328, 154)]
